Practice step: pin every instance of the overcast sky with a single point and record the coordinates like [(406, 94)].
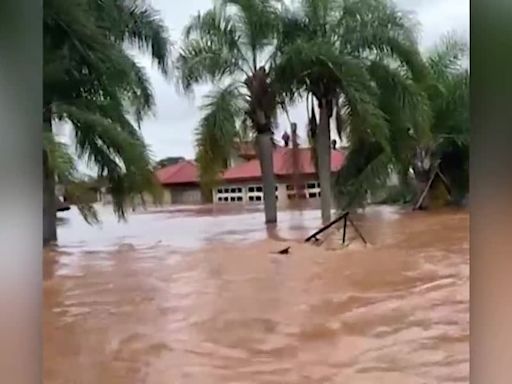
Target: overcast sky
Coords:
[(171, 131)]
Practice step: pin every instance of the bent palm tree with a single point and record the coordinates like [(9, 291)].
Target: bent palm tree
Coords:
[(333, 50), (232, 43), (448, 95), (435, 131), (91, 82)]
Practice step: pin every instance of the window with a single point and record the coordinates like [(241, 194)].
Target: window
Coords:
[(313, 189), (292, 193), (254, 193), (230, 194)]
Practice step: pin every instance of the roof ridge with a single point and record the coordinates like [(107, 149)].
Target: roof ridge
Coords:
[(184, 169)]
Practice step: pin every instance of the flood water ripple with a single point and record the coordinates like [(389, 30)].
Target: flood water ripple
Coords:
[(154, 301)]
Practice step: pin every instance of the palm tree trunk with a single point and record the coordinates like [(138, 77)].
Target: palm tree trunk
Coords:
[(297, 180), (323, 150), (265, 153), (49, 197)]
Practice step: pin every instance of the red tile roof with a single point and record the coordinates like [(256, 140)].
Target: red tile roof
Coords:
[(283, 164), (183, 172), (186, 172)]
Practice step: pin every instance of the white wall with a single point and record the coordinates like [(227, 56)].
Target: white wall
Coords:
[(252, 192)]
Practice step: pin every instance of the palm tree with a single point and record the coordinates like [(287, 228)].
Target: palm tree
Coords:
[(232, 45), (435, 131), (93, 83), (332, 51), (448, 95)]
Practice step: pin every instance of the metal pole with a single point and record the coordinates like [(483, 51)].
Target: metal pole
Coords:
[(344, 228), (325, 227), (358, 231)]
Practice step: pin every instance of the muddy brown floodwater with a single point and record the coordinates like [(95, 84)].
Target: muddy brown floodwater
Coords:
[(198, 297)]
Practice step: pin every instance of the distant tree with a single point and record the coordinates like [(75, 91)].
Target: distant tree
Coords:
[(171, 160)]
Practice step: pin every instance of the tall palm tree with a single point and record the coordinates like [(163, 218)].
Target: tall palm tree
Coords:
[(232, 45), (93, 83), (333, 50)]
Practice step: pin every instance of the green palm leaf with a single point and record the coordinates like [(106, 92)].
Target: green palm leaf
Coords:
[(217, 132), (91, 81), (367, 169)]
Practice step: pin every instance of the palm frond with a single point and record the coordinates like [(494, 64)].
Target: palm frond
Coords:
[(117, 151), (448, 56), (380, 14), (141, 98), (199, 63), (320, 14), (210, 50), (366, 170), (60, 159), (144, 26), (217, 131), (449, 93), (403, 101), (63, 165), (257, 23), (137, 23), (361, 107), (378, 29), (78, 194)]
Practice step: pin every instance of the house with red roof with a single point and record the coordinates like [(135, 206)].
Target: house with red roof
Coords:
[(294, 172), (181, 183)]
